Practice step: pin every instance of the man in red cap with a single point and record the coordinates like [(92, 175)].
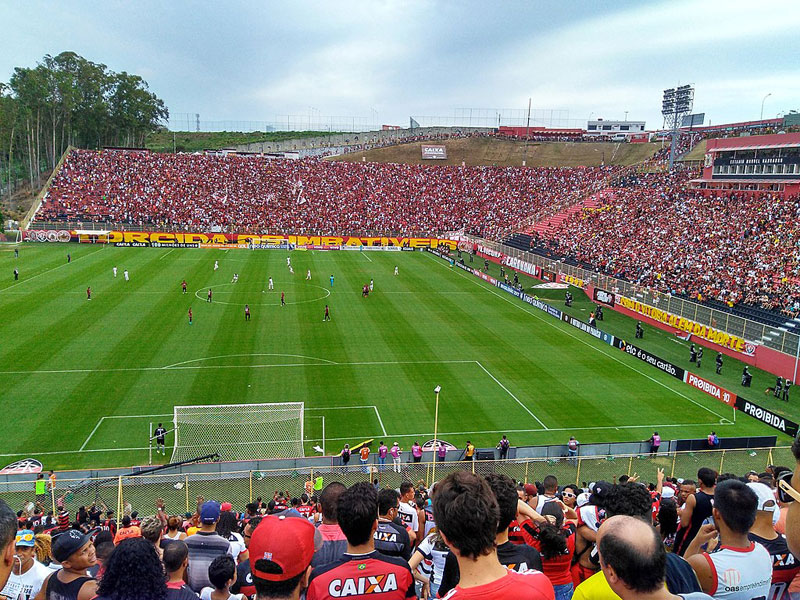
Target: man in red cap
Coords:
[(281, 549)]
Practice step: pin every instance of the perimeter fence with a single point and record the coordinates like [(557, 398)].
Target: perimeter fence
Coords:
[(181, 492)]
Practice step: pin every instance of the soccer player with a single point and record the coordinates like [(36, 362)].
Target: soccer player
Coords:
[(88, 293), (363, 572), (371, 285), (69, 258), (395, 270), (270, 285), (183, 286), (246, 312), (159, 434), (16, 274), (467, 515), (331, 280), (327, 315), (125, 274), (216, 265), (190, 316), (365, 291), (291, 270), (288, 261), (283, 301), (115, 272), (719, 363), (208, 298), (308, 275)]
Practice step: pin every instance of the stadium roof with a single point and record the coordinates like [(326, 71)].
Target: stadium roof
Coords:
[(754, 142)]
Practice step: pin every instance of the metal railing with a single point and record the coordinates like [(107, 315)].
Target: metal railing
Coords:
[(768, 335), (180, 491)]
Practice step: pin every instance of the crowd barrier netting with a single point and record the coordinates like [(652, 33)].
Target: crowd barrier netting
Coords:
[(180, 491)]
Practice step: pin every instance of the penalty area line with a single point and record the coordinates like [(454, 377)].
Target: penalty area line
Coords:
[(517, 400)]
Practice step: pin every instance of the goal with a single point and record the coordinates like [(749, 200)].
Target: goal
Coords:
[(239, 431)]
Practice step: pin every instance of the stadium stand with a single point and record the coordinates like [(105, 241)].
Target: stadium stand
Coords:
[(248, 194)]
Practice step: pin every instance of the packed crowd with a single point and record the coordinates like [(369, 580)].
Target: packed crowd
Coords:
[(732, 246), (252, 194), (467, 537)]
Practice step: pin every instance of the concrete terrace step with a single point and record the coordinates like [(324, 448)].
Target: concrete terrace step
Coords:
[(547, 227)]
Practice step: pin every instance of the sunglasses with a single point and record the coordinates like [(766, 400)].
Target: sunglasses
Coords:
[(786, 493), (568, 495), (28, 537)]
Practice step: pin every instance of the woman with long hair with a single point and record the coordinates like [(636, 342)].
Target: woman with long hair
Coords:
[(133, 572), (556, 543), (228, 528), (427, 563)]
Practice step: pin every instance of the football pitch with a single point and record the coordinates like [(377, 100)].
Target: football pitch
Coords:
[(81, 380)]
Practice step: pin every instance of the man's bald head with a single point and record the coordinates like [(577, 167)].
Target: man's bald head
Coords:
[(632, 556)]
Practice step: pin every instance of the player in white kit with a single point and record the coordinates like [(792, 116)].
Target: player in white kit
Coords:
[(115, 271), (216, 265), (271, 285), (371, 285), (395, 269), (125, 273), (308, 275)]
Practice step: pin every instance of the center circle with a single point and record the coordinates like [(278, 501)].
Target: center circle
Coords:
[(260, 292)]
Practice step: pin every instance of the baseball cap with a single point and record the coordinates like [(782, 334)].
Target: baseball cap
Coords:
[(582, 499), (68, 543), (765, 496), (599, 491), (209, 512), (530, 489), (287, 542), (226, 506), (667, 492), (25, 538)]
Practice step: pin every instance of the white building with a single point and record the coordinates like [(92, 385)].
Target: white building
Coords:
[(613, 128)]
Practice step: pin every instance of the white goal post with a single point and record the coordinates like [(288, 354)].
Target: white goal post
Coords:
[(239, 431)]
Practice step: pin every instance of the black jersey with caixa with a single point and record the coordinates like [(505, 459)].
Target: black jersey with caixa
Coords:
[(363, 576)]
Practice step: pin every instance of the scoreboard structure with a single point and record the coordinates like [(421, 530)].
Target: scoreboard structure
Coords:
[(753, 163)]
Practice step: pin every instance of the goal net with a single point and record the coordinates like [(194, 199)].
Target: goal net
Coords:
[(239, 431)]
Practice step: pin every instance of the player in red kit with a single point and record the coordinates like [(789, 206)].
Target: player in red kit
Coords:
[(183, 285), (209, 295), (190, 316), (362, 573), (283, 302), (246, 312), (88, 293), (327, 315)]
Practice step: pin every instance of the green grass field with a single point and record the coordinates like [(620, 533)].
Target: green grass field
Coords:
[(81, 380)]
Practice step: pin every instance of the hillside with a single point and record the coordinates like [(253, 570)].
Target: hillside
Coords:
[(696, 153), (491, 151)]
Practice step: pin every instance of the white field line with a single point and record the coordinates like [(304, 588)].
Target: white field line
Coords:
[(548, 322), (48, 271), (163, 256), (378, 414), (525, 408), (196, 367), (194, 360), (364, 254), (96, 427)]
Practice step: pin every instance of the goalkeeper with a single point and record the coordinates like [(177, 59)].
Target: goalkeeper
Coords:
[(160, 433)]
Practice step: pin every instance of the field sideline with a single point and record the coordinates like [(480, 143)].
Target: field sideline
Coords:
[(85, 378)]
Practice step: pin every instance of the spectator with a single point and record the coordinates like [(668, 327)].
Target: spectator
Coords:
[(518, 557), (737, 561), (126, 531), (133, 572), (153, 531), (176, 561), (697, 509), (27, 574), (75, 552), (468, 515), (204, 546), (334, 542), (285, 548), (227, 527), (391, 538), (408, 511), (174, 524), (555, 540), (362, 566), (222, 575), (634, 561), (244, 577), (763, 532), (432, 549)]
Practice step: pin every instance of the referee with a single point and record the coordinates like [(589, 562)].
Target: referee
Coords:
[(159, 434)]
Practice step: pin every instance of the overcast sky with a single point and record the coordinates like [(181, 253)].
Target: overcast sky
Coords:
[(382, 61)]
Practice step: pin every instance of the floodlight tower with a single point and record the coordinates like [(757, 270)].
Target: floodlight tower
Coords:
[(676, 104)]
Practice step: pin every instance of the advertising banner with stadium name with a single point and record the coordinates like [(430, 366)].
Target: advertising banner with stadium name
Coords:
[(586, 328), (488, 251), (651, 359), (705, 332), (767, 416), (521, 265), (712, 389), (604, 296), (434, 152), (158, 239)]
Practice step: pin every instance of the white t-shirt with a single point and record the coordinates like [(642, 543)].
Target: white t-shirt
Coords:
[(27, 585), (409, 516), (205, 594), (437, 557), (237, 545)]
